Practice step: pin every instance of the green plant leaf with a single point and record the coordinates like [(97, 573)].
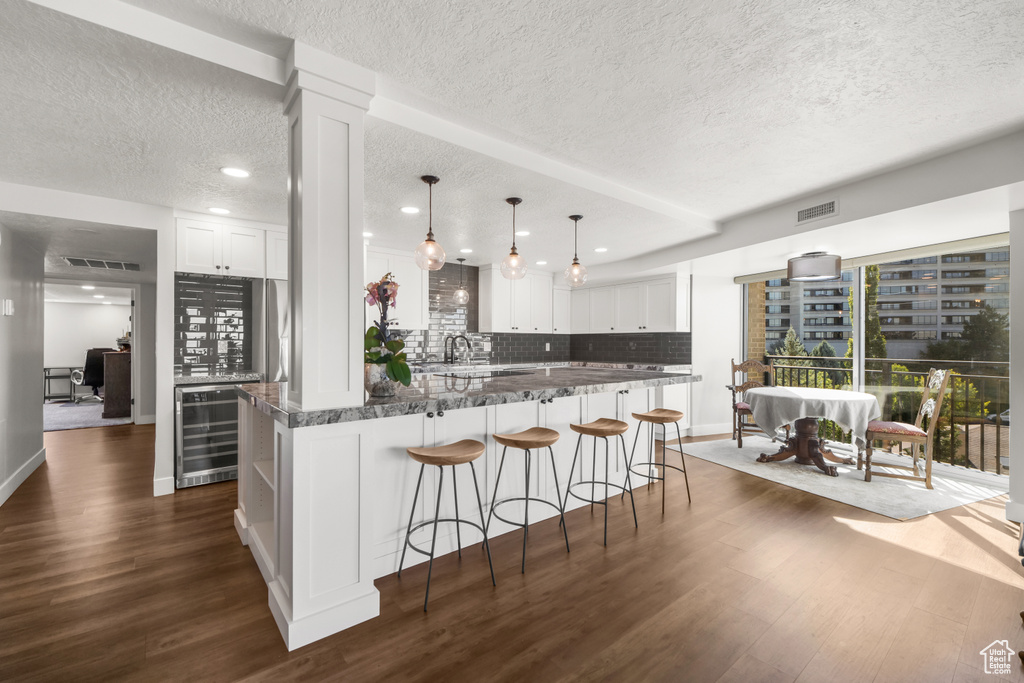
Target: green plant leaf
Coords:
[(399, 371), (395, 345), (370, 339)]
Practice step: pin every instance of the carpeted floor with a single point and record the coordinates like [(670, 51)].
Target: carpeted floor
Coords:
[(895, 498), (58, 416)]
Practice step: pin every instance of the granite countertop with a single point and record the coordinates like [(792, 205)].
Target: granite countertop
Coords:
[(434, 392), (236, 377)]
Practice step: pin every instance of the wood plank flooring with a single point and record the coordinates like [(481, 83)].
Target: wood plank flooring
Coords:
[(753, 581)]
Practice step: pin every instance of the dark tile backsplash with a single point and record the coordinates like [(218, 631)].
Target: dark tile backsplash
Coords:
[(448, 318), (213, 319)]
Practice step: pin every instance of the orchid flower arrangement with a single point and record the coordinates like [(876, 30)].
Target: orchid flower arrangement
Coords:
[(379, 347)]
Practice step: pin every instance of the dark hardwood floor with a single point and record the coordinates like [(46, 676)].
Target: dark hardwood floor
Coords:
[(753, 581)]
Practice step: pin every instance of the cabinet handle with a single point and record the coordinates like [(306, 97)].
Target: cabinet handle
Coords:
[(227, 267), (217, 267), (440, 413), (430, 415)]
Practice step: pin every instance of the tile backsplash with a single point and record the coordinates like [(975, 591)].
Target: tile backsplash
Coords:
[(448, 318), (213, 318)]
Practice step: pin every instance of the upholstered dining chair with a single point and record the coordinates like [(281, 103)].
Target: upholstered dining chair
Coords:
[(741, 382), (915, 434)]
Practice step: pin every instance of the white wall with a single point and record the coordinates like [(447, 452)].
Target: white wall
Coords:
[(717, 324), (144, 346), (1015, 506), (21, 363), (72, 329)]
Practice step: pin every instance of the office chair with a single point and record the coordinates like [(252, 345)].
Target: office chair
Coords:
[(91, 375)]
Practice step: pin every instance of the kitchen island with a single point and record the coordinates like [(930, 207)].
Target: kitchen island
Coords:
[(324, 496)]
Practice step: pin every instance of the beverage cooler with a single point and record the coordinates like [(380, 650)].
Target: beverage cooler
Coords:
[(206, 444)]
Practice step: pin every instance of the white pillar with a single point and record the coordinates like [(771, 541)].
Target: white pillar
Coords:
[(1015, 506), (326, 101)]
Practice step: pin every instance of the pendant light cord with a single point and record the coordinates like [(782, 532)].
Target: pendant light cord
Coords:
[(513, 227), (430, 212), (575, 241)]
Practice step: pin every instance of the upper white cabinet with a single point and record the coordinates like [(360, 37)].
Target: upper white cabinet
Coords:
[(561, 310), (214, 249), (411, 311), (277, 256), (660, 305), (515, 305)]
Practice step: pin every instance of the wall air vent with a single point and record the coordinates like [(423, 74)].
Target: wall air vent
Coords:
[(99, 263), (813, 213)]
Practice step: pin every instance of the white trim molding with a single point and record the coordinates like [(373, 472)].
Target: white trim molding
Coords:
[(19, 477)]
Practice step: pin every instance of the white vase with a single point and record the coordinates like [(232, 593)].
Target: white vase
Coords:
[(376, 380)]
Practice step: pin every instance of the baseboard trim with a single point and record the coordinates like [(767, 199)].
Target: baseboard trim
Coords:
[(1014, 510), (145, 420), (296, 633), (163, 486), (19, 477)]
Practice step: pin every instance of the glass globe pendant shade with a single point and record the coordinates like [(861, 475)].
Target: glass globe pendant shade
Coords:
[(576, 274), (513, 266), (429, 255), (461, 297)]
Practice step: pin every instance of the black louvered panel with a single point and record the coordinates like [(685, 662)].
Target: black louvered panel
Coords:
[(213, 324)]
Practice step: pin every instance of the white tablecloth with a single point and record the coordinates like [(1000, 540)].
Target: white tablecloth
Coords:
[(774, 407)]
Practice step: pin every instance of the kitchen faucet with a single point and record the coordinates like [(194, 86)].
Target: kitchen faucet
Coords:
[(449, 357)]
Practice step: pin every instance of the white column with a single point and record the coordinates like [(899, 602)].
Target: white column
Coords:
[(1015, 506), (326, 102), (857, 318)]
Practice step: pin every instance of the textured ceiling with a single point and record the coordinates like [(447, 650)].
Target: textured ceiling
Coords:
[(90, 110), (720, 106), (470, 209), (58, 237)]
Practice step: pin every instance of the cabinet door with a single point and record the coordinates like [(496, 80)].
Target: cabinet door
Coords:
[(561, 316), (659, 304), (521, 294), (540, 304), (579, 300), (602, 309), (627, 308), (277, 256), (198, 248), (411, 308), (245, 251)]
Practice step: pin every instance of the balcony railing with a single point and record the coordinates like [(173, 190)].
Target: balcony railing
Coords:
[(972, 431)]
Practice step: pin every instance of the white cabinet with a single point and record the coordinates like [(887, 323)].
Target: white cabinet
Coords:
[(515, 305), (561, 311), (277, 256), (660, 305), (411, 311), (214, 249)]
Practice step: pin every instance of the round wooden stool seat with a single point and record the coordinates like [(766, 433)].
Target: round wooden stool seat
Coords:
[(659, 416), (534, 437), (604, 426), (457, 453)]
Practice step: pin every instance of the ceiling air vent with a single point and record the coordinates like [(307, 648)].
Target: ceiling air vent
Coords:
[(100, 264), (813, 213)]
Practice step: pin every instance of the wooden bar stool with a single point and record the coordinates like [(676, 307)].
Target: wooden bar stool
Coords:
[(532, 439), (599, 429), (451, 455), (663, 417)]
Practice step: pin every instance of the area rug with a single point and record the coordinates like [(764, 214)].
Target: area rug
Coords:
[(67, 415), (895, 498)]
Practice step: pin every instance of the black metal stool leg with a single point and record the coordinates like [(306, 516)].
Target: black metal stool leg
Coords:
[(664, 470), (433, 542), (558, 494), (526, 510), (480, 506), (593, 476), (412, 514), (629, 463), (575, 454), (458, 534), (635, 524), (497, 480), (606, 475), (686, 477), (650, 453)]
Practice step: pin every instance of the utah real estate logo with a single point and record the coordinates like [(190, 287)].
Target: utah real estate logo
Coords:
[(997, 657)]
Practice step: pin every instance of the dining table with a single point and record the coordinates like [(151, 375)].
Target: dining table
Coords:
[(775, 407)]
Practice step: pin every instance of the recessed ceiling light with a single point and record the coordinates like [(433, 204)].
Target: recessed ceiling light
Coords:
[(601, 250), (466, 251), (542, 263), (410, 209), (98, 296), (367, 234), (235, 172), (107, 303), (219, 211), (522, 233), (88, 287)]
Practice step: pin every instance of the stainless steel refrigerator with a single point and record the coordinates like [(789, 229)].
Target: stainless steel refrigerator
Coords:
[(278, 331)]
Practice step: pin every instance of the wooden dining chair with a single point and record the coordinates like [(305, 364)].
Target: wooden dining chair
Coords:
[(741, 382), (915, 434)]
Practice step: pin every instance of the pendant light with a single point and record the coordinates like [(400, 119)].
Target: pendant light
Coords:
[(461, 296), (815, 266), (513, 266), (430, 255), (576, 274)]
